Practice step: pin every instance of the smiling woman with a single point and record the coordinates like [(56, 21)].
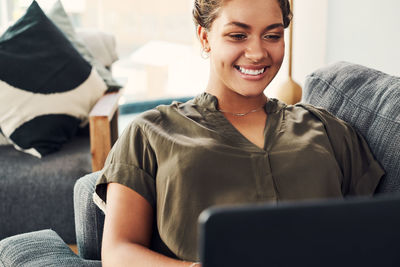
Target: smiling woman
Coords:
[(228, 145)]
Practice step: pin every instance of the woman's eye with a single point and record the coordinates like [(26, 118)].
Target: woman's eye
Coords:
[(273, 37), (237, 36)]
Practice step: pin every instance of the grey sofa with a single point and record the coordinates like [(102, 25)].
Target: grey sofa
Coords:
[(366, 98), (37, 193)]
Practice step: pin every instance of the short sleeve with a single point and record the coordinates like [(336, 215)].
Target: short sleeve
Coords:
[(361, 172), (132, 163)]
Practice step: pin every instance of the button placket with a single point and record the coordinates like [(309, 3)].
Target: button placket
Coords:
[(264, 182)]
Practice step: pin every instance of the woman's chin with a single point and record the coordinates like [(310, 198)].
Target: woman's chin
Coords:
[(251, 93), (252, 90)]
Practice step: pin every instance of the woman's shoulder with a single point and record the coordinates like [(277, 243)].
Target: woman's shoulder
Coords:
[(322, 114), (162, 116), (335, 127)]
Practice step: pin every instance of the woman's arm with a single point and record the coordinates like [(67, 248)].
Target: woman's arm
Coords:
[(128, 229)]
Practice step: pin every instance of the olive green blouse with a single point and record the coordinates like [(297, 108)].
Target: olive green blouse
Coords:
[(186, 157)]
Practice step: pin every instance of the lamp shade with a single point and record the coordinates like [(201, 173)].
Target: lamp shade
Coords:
[(290, 92)]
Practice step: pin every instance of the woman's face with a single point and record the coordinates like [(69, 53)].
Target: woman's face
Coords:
[(246, 45)]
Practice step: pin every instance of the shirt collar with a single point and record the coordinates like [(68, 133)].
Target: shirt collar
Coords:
[(210, 102)]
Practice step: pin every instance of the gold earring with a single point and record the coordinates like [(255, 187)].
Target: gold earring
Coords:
[(205, 53)]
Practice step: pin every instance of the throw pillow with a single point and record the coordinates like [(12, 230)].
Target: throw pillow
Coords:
[(46, 88), (58, 15), (370, 101), (101, 45)]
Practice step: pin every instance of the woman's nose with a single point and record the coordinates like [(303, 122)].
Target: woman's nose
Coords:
[(255, 51)]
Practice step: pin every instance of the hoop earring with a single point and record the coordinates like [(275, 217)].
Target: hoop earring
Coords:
[(205, 53)]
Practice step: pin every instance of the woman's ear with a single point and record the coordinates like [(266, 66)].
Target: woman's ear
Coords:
[(202, 34)]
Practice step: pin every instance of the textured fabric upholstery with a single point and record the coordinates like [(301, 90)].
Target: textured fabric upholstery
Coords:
[(37, 194), (370, 101), (41, 248), (46, 248), (89, 219)]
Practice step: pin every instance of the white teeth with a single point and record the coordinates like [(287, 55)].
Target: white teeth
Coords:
[(251, 72)]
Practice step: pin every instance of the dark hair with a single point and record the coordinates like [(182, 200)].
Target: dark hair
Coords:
[(205, 12)]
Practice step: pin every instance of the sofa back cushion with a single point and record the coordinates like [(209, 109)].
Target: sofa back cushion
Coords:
[(367, 99)]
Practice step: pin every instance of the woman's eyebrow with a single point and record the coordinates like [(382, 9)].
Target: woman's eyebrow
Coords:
[(274, 26), (245, 26), (238, 24)]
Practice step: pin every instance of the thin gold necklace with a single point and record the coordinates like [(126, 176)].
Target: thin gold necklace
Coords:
[(242, 114)]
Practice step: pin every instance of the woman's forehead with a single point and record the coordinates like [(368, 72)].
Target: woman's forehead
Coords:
[(250, 12)]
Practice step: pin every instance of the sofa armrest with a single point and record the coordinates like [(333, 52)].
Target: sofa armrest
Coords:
[(103, 123), (40, 248)]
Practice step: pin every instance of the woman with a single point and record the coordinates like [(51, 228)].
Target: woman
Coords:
[(229, 145)]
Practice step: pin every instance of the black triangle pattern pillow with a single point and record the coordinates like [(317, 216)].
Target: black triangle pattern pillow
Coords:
[(46, 88)]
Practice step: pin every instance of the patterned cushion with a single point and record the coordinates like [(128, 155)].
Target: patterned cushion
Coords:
[(46, 88), (370, 101), (58, 15)]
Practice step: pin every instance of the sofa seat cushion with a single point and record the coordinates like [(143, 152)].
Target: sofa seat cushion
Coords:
[(38, 193)]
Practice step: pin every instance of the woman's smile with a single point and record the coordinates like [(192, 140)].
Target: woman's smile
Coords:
[(251, 72)]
